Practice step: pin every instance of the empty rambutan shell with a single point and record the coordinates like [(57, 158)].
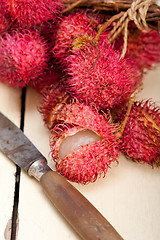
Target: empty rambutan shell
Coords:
[(141, 137), (30, 13), (98, 76), (72, 31), (23, 57), (97, 145)]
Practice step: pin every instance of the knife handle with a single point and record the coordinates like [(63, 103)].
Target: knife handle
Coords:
[(85, 219)]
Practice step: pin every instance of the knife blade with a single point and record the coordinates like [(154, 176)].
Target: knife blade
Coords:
[(84, 218)]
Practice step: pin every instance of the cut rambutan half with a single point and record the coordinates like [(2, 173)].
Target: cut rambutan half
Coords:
[(92, 141), (30, 13), (98, 76), (141, 137), (86, 162), (73, 31), (23, 57)]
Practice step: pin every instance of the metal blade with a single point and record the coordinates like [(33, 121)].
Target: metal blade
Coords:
[(16, 145)]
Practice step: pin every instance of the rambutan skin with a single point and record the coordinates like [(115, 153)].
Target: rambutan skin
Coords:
[(4, 20), (88, 117), (49, 78), (72, 31), (53, 98), (142, 46), (86, 164), (23, 57), (90, 161), (30, 13), (141, 137), (97, 75)]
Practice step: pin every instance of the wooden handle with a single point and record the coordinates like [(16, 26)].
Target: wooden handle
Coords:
[(85, 219)]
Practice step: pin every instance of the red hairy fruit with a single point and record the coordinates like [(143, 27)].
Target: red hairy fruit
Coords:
[(53, 98), (23, 57), (73, 31), (142, 46), (4, 20), (88, 117), (50, 77), (86, 163), (141, 137), (30, 13), (98, 76)]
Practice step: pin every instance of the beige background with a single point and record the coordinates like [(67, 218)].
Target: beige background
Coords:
[(128, 196)]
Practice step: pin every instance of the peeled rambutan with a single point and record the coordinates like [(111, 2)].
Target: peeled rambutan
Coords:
[(98, 76), (30, 13), (86, 164), (23, 57), (72, 31), (141, 137), (142, 46), (91, 138)]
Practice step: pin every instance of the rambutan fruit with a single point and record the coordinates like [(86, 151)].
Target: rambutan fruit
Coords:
[(87, 162), (141, 137), (30, 13), (97, 75), (4, 21), (54, 96), (23, 57), (86, 116), (50, 77), (89, 139), (73, 31), (142, 46)]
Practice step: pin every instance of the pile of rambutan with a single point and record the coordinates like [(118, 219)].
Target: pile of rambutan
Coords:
[(85, 85)]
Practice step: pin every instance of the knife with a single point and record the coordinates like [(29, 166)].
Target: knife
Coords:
[(85, 219)]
